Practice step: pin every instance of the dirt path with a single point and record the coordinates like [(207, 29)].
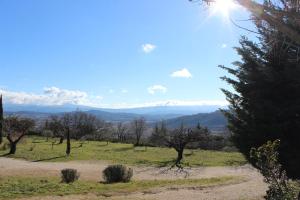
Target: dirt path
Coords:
[(252, 189)]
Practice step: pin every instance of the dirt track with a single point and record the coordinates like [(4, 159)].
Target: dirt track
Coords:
[(253, 188)]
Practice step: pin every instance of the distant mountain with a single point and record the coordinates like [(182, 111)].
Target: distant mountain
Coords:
[(126, 117), (174, 115), (157, 110), (214, 121), (30, 114), (162, 110), (107, 116), (44, 109)]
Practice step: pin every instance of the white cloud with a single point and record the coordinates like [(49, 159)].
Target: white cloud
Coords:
[(148, 48), (157, 88), (57, 96), (51, 96), (224, 46), (124, 91), (183, 73)]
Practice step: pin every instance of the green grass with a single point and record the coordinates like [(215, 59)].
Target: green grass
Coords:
[(27, 187), (36, 149)]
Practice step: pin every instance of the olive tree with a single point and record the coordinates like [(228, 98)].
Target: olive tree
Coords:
[(179, 138), (16, 128)]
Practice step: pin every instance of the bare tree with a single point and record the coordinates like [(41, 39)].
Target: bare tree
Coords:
[(160, 131), (48, 134), (179, 139), (84, 124), (55, 125), (138, 127), (16, 129), (121, 132), (103, 131)]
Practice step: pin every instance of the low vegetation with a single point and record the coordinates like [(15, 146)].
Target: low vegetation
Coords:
[(117, 174), (266, 160), (69, 175), (121, 153), (25, 187)]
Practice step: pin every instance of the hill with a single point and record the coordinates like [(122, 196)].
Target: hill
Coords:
[(214, 121)]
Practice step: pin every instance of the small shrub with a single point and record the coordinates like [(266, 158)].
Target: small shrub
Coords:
[(69, 175), (266, 160), (117, 173)]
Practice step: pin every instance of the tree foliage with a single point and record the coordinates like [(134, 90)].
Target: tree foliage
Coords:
[(284, 15), (265, 103), (266, 160)]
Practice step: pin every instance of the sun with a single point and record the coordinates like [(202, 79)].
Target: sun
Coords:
[(223, 7)]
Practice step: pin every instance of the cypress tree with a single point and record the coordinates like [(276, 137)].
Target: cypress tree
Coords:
[(265, 103)]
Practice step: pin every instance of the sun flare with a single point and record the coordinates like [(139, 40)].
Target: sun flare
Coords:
[(223, 7)]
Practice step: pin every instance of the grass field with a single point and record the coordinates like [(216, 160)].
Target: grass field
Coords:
[(37, 149), (26, 187)]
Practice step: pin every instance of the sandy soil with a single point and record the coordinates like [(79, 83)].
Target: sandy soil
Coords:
[(253, 188)]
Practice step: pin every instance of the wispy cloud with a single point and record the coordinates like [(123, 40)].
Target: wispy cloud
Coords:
[(224, 46), (157, 88), (56, 96), (51, 96), (183, 73), (124, 91), (148, 48)]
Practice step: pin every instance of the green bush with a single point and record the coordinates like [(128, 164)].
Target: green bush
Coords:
[(117, 173), (266, 160), (69, 175)]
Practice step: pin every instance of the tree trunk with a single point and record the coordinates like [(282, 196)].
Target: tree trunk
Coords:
[(179, 157), (61, 140), (13, 147), (13, 144), (68, 150), (137, 143)]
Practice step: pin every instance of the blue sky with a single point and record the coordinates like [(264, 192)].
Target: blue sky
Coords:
[(115, 53)]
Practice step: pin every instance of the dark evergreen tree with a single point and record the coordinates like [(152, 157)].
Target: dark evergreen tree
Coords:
[(265, 103), (1, 120)]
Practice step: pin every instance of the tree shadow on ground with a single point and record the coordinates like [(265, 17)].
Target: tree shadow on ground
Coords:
[(47, 159), (123, 149), (166, 163), (140, 148), (5, 155)]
